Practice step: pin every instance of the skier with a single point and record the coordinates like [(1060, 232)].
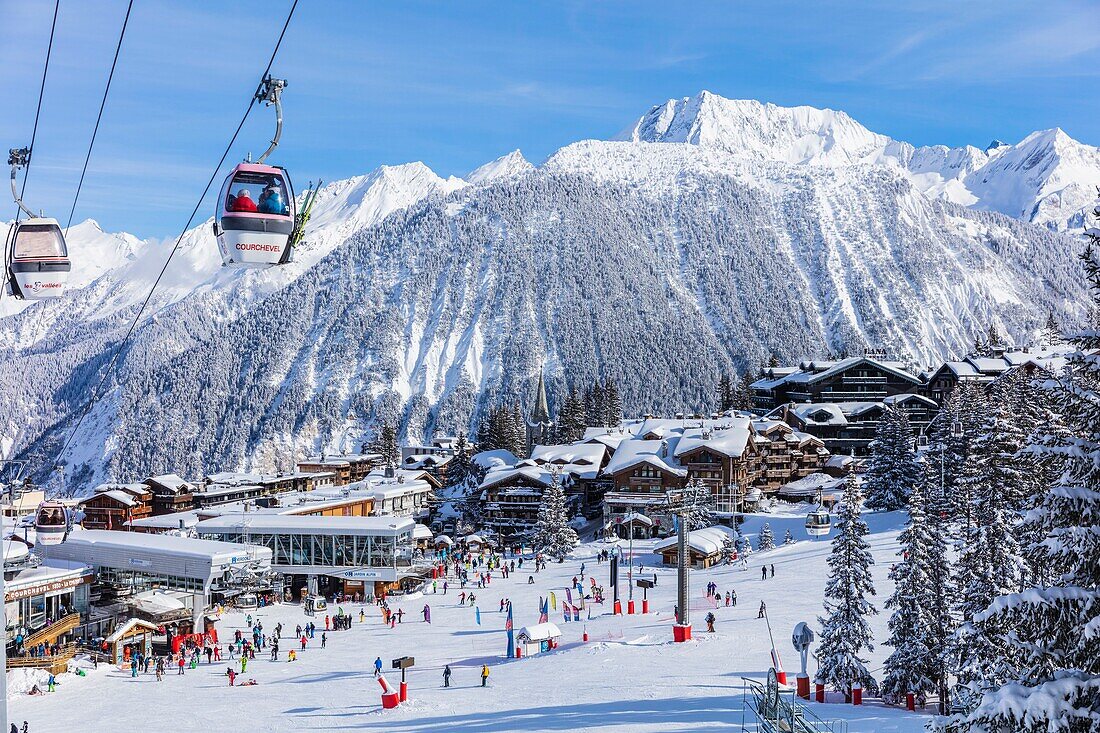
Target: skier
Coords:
[(244, 664), (427, 613), (763, 572), (231, 674), (377, 666), (303, 642), (484, 674), (763, 610), (362, 616), (710, 621), (324, 638), (773, 570), (447, 676)]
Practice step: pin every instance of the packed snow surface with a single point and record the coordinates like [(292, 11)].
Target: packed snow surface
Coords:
[(628, 677)]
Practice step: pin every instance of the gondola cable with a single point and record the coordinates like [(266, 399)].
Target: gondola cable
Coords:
[(137, 317), (38, 110), (99, 117)]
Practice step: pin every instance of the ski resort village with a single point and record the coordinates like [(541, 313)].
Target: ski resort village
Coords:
[(721, 415)]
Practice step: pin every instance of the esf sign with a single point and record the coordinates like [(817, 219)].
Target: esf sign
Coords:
[(358, 574), (140, 563)]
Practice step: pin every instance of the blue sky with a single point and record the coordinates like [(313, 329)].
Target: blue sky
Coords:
[(455, 84)]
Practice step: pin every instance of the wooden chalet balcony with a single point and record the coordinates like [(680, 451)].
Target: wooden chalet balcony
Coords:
[(50, 633)]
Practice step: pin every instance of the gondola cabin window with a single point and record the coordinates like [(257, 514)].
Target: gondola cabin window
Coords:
[(39, 241), (262, 193)]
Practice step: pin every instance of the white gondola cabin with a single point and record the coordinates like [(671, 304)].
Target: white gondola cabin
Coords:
[(52, 523), (255, 216), (37, 259), (818, 523)]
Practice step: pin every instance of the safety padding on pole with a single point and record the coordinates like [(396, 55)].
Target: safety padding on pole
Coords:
[(618, 608), (645, 606), (681, 632), (390, 698), (519, 652), (780, 675), (819, 692), (404, 694), (802, 684), (857, 694)]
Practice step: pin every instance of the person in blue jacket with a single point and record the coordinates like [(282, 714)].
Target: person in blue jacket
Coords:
[(377, 666), (271, 201)]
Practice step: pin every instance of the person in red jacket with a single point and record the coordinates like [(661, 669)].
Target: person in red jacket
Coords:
[(242, 202)]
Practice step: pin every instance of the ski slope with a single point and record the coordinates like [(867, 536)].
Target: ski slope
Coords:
[(628, 677)]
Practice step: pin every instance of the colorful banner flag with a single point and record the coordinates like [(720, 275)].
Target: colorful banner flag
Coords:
[(477, 615), (553, 601), (544, 612), (511, 635), (568, 605)]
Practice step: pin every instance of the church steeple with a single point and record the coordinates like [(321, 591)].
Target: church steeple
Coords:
[(540, 411)]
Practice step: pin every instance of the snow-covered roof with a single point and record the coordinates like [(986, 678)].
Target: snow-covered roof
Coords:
[(385, 526), (811, 485), (420, 532), (611, 437), (989, 365), (135, 623), (730, 441), (155, 602), (493, 458), (657, 453), (540, 632), (636, 517), (820, 413), (707, 541), (121, 497), (132, 489), (171, 482), (504, 474), (167, 521), (443, 540), (901, 399)]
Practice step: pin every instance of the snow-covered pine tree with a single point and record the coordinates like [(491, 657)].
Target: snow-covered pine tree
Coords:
[(788, 538), (911, 667), (1047, 635), (742, 397), (729, 549), (571, 419), (613, 405), (1051, 334), (938, 594), (698, 505), (553, 536), (517, 431), (595, 405), (385, 444), (845, 633), (892, 469), (723, 393), (766, 540)]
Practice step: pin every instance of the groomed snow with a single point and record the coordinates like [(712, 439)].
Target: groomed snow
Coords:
[(628, 677)]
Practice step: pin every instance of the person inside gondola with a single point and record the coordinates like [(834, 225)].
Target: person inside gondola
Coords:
[(242, 201), (271, 200)]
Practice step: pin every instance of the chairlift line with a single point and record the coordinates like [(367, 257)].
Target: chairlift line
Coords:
[(94, 397)]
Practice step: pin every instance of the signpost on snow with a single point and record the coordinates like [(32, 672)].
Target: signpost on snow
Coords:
[(403, 663)]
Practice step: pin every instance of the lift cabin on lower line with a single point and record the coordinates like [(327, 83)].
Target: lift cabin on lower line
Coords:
[(52, 523), (255, 216), (37, 259)]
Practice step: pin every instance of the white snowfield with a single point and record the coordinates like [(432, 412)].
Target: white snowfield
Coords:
[(628, 677)]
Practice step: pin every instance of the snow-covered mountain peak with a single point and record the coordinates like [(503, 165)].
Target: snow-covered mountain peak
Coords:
[(762, 131), (506, 166)]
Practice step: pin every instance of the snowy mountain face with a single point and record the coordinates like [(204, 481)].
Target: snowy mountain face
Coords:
[(1047, 178), (716, 234)]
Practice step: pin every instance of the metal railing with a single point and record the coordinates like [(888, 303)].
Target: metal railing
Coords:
[(778, 711)]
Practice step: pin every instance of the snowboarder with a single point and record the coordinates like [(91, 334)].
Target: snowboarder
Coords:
[(484, 674), (447, 676)]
